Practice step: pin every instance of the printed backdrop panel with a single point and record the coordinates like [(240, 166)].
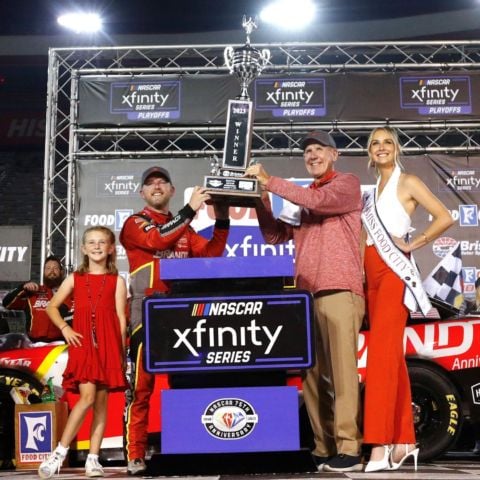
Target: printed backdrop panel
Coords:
[(109, 191), (202, 99)]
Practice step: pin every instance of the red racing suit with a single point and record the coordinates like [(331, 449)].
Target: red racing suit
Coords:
[(38, 325), (147, 237)]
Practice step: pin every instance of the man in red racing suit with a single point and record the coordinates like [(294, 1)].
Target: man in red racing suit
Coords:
[(147, 236), (33, 298)]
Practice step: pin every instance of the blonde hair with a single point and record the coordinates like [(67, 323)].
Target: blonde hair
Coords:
[(112, 257), (396, 142)]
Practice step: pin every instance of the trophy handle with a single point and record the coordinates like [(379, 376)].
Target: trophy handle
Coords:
[(228, 56), (265, 56)]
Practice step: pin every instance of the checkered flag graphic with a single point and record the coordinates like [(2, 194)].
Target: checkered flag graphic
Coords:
[(445, 281)]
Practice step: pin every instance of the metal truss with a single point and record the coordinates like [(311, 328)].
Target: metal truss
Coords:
[(66, 142)]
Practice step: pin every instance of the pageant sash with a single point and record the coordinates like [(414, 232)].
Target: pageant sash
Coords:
[(394, 257)]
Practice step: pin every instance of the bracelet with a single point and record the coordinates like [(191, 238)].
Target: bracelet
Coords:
[(425, 238), (65, 326)]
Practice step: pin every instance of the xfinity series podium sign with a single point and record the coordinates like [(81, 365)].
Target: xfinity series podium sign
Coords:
[(248, 332)]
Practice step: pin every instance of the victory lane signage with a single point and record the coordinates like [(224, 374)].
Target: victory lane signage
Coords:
[(248, 332)]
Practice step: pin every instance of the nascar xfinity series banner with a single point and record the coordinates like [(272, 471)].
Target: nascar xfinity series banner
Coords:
[(247, 332), (202, 99), (109, 191)]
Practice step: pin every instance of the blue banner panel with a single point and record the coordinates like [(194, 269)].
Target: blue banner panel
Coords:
[(228, 332), (227, 420), (222, 267)]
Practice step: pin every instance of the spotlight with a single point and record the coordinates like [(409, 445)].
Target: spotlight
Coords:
[(289, 14), (81, 22)]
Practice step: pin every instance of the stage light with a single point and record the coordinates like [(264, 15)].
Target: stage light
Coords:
[(81, 22), (289, 14)]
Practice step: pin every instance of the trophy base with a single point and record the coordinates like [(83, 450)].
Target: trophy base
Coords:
[(236, 191)]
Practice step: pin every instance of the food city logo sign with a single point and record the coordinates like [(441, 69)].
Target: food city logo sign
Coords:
[(35, 442), (229, 418), (436, 95), (291, 97), (115, 220), (158, 100)]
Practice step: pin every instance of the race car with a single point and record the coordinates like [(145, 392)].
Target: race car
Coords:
[(443, 356)]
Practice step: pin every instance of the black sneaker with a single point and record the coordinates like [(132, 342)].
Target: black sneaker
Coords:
[(320, 461), (344, 463)]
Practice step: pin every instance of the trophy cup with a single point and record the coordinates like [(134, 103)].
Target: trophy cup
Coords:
[(227, 182)]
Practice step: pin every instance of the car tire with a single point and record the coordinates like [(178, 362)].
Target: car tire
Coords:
[(7, 410), (437, 410)]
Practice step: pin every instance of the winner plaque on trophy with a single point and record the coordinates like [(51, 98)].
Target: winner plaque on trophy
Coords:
[(227, 182)]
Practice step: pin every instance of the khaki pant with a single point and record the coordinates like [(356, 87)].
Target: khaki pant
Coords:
[(331, 387)]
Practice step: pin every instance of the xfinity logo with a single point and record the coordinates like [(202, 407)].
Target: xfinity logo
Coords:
[(117, 185), (230, 336), (135, 98), (436, 95), (12, 254), (424, 94), (114, 186), (290, 98), (463, 183)]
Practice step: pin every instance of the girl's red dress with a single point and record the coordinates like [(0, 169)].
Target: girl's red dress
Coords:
[(102, 365)]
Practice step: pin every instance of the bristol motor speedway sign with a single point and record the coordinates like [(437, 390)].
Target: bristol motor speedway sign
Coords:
[(248, 332)]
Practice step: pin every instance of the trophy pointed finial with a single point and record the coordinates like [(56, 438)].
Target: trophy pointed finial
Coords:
[(249, 25)]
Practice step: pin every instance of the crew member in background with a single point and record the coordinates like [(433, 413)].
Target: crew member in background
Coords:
[(325, 226), (33, 298), (149, 235)]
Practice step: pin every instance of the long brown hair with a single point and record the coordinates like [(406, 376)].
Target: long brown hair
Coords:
[(112, 257), (396, 142)]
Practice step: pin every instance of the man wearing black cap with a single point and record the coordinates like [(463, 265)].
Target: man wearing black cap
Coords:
[(148, 236), (325, 226)]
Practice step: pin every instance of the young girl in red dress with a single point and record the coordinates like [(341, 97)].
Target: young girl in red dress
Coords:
[(96, 361)]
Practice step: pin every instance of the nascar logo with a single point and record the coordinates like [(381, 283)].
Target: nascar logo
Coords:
[(226, 308)]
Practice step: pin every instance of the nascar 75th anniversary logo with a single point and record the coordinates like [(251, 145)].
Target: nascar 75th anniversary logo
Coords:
[(229, 332)]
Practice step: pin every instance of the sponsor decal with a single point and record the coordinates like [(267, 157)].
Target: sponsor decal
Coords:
[(121, 252), (436, 95), (289, 97), (12, 253), (95, 219), (468, 215), (470, 248), (117, 185), (461, 181), (158, 100), (476, 394), (453, 419), (229, 419), (469, 274), (13, 362), (35, 441), (442, 245), (120, 216)]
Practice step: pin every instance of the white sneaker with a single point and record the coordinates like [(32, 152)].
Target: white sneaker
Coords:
[(93, 467), (53, 463)]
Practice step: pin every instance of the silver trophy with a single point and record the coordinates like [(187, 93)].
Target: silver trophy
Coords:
[(228, 181), (246, 62)]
